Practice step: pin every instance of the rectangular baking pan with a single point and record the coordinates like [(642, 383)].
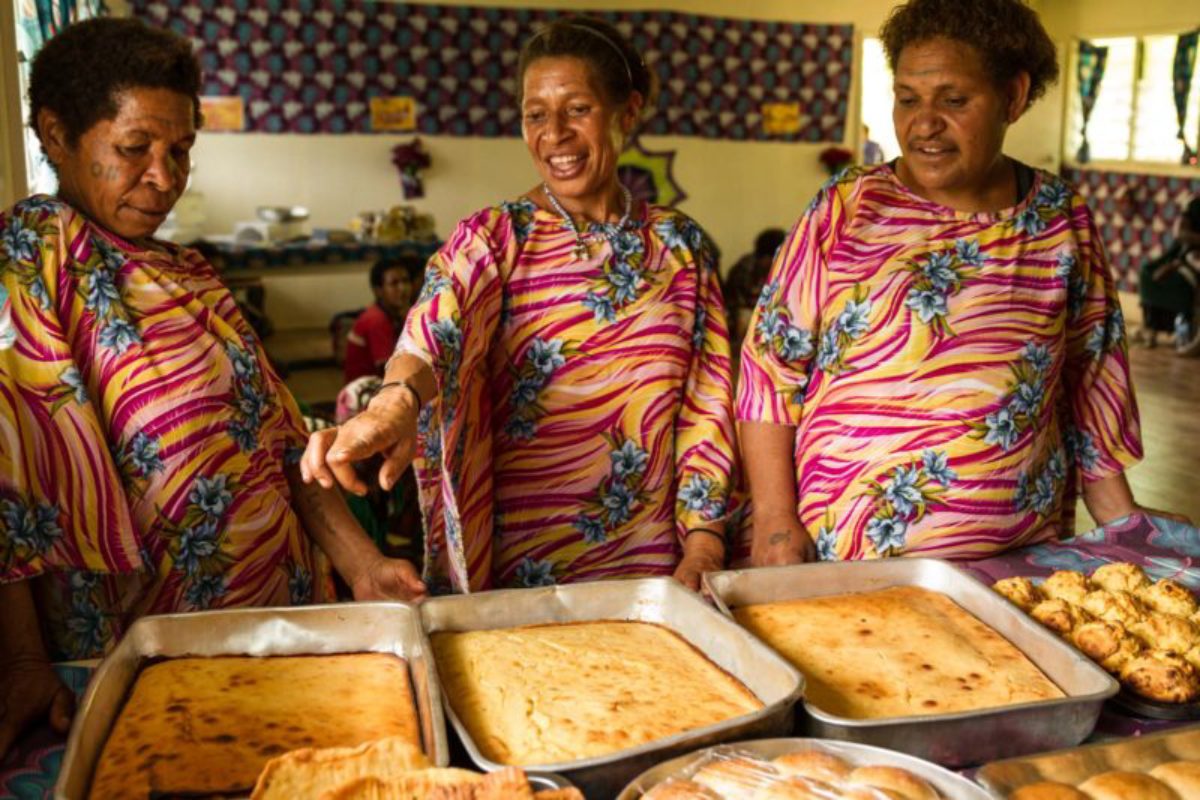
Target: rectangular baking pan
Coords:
[(776, 683), (309, 630), (962, 738)]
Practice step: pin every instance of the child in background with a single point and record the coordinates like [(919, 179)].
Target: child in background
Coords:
[(396, 283)]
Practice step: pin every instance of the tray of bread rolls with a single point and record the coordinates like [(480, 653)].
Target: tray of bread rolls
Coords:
[(816, 769), (599, 681), (1145, 633), (917, 656), (197, 704), (1158, 766)]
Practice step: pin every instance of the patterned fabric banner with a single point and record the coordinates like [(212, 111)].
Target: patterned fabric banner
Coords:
[(314, 66), (1135, 214)]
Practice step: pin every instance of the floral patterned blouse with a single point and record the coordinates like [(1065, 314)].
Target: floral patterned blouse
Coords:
[(584, 422), (143, 435), (950, 376)]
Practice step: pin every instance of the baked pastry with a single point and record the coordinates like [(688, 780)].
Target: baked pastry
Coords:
[(813, 764), (1021, 592), (547, 694), (1059, 615), (1168, 597), (898, 780), (792, 789), (1121, 577), (677, 789), (897, 652), (1047, 790), (1118, 785), (422, 783), (1159, 675), (1167, 632), (1106, 643), (736, 776), (869, 793), (1185, 744), (1136, 754), (1115, 606), (310, 772), (1066, 585), (205, 726), (1182, 776)]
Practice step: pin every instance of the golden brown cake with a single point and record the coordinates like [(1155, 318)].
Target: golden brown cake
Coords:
[(1126, 786), (894, 653), (1059, 615), (1121, 577), (546, 694), (209, 725), (1021, 592), (1066, 585)]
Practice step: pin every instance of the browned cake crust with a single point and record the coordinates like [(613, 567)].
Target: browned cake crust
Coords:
[(209, 725)]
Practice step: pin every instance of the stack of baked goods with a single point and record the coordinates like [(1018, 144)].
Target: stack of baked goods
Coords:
[(803, 775), (1162, 766), (897, 652), (549, 694), (207, 726), (389, 769), (1147, 634)]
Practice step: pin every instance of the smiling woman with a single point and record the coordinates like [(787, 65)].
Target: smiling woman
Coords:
[(147, 448), (564, 378), (937, 364)]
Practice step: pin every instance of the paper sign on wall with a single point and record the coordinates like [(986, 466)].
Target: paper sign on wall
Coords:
[(781, 119), (223, 113), (393, 114)]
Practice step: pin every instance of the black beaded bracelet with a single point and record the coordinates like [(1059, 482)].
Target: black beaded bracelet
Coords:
[(416, 395)]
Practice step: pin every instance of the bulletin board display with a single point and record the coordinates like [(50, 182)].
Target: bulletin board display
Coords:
[(320, 66)]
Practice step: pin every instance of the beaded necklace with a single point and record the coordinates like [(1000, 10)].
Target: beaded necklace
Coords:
[(609, 232)]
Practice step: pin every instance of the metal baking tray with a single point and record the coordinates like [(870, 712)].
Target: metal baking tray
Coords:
[(950, 785), (658, 600), (310, 630), (1076, 765), (959, 739)]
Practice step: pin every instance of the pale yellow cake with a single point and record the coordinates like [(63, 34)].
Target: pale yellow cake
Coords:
[(547, 694), (895, 653), (203, 726)]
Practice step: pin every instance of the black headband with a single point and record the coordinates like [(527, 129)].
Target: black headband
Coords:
[(605, 38)]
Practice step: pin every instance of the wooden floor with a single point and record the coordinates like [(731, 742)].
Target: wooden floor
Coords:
[(1168, 392)]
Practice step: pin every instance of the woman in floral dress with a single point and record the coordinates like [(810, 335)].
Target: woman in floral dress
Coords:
[(147, 449), (564, 378), (937, 364)]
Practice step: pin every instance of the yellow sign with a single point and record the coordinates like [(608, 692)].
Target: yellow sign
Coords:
[(393, 114), (223, 113), (781, 119)]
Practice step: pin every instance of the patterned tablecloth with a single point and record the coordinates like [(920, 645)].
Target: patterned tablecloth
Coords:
[(1164, 549)]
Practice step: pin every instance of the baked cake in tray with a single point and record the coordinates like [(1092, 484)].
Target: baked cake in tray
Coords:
[(547, 694), (206, 726), (898, 652)]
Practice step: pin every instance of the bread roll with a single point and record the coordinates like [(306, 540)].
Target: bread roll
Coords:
[(1167, 632), (1066, 585), (1168, 597), (310, 772), (1021, 592), (869, 793), (1106, 643), (1047, 790), (898, 780), (813, 764), (1182, 776), (1059, 615), (1127, 786), (736, 776), (1114, 606), (1159, 675), (1122, 577), (793, 789), (1185, 744), (1137, 754), (680, 790)]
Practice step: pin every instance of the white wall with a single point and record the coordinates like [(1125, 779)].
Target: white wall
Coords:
[(12, 153)]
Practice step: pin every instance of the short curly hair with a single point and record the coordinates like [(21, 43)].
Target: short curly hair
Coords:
[(1006, 33), (80, 72)]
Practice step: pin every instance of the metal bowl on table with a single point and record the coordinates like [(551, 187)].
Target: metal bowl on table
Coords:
[(282, 213)]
